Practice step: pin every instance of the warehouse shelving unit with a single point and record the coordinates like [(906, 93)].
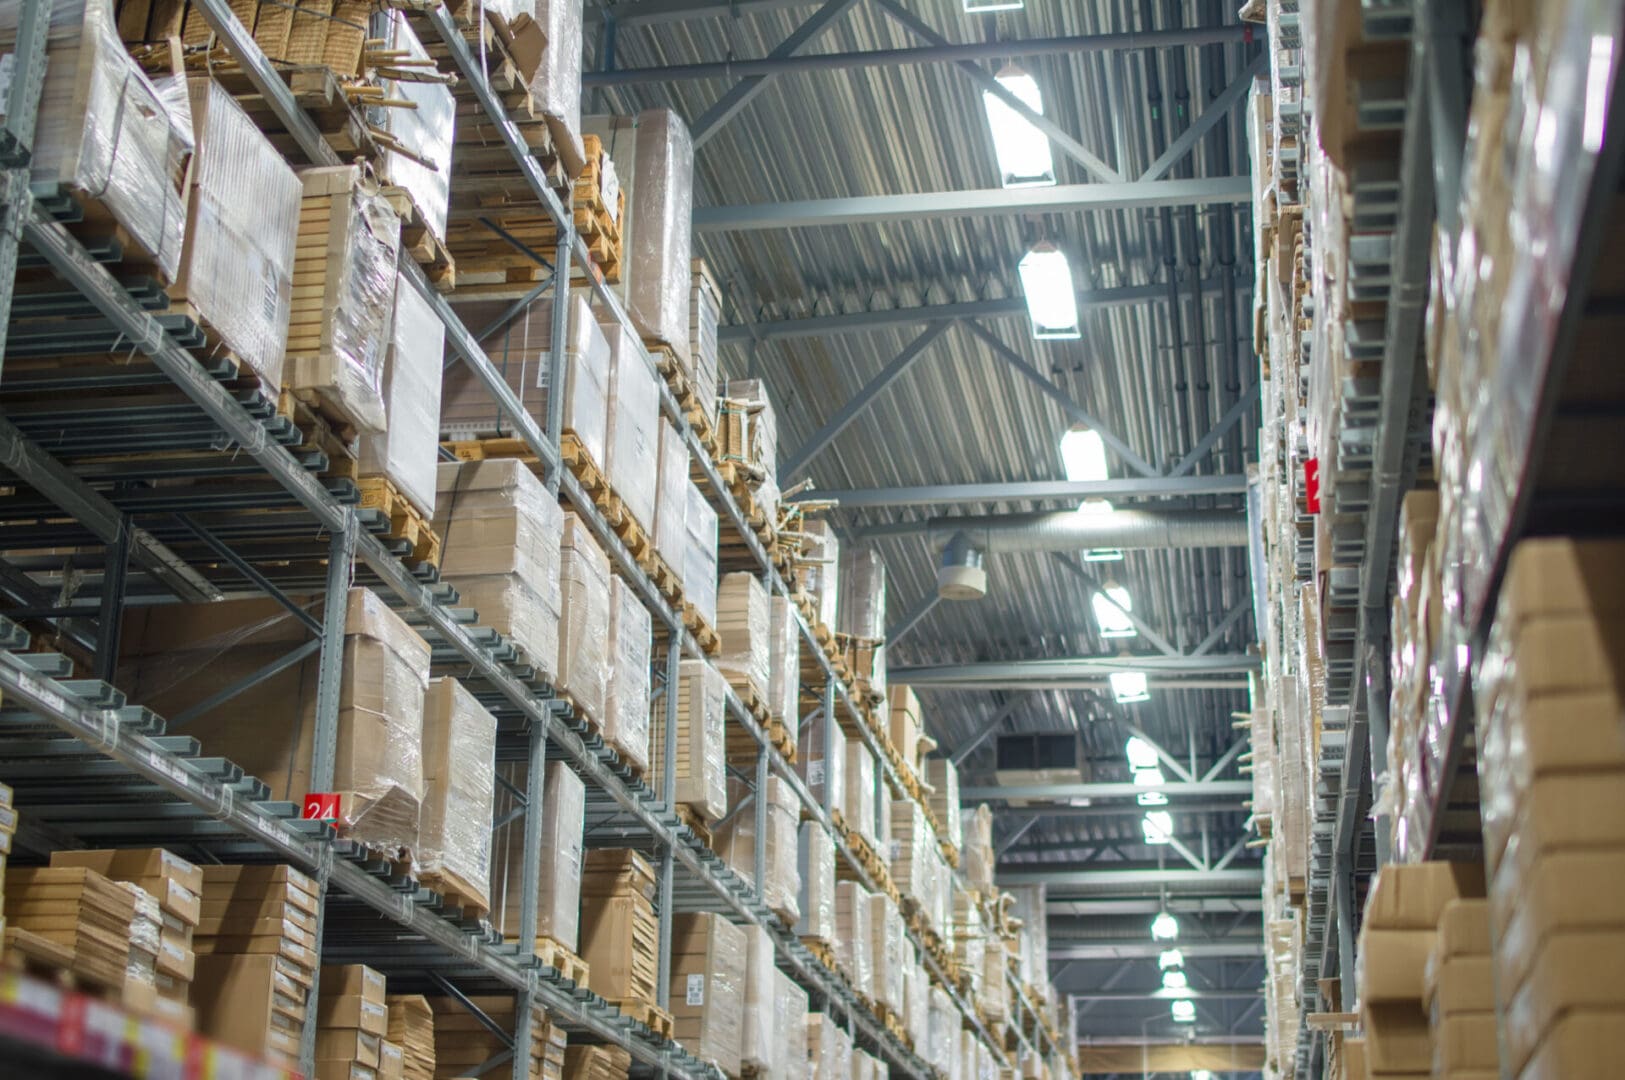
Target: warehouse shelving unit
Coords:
[(1424, 194), (94, 742)]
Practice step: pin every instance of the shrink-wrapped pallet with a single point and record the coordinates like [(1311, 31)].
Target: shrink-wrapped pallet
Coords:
[(670, 528), (620, 932), (584, 656), (815, 867), (917, 1005), (632, 452), (660, 201), (707, 987), (784, 665), (943, 777), (558, 862), (178, 656), (700, 555), (1032, 957), (979, 850), (829, 1048), (737, 844), (942, 1044), (104, 131), (743, 621), (407, 451), (750, 435), (553, 73), (426, 128), (905, 726), (242, 215), (702, 778), (911, 844), (522, 356), (626, 713), (862, 610), (454, 829), (343, 293), (860, 792), (704, 313), (500, 535), (790, 1019), (825, 777), (760, 1031), (854, 940), (887, 951), (821, 571)]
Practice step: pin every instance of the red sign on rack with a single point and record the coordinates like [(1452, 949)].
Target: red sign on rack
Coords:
[(1311, 485), (322, 806)]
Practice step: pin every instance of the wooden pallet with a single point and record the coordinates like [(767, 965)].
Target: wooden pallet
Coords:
[(455, 893), (320, 92), (687, 816), (648, 1014), (687, 395), (570, 966), (419, 241), (661, 575), (319, 435), (34, 954), (703, 631), (405, 520), (950, 854)]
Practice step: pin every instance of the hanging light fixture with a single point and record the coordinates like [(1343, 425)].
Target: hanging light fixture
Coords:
[(1083, 455), (1175, 979), (1170, 958), (1022, 151), (1129, 687), (1052, 301), (1165, 928), (1158, 826), (1112, 606), (981, 7), (1184, 1011)]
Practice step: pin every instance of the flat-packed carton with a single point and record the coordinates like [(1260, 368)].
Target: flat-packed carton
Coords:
[(459, 754)]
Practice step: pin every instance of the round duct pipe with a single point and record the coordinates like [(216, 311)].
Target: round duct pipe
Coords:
[(961, 575), (1067, 530)]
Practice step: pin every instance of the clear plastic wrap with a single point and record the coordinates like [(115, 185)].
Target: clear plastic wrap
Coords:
[(910, 837), (790, 1016), (700, 555), (500, 536), (1032, 956), (760, 1032), (626, 714), (584, 656), (854, 939), (344, 274), (821, 571), (743, 622), (704, 313), (670, 528), (427, 128), (141, 968), (815, 870), (863, 594), (822, 775), (860, 793), (887, 951), (702, 777), (784, 665), (978, 851), (559, 860), (555, 84), (103, 130), (829, 1048), (708, 987), (660, 200), (943, 777), (408, 450), (631, 461), (917, 1005), (454, 829), (236, 266), (737, 844)]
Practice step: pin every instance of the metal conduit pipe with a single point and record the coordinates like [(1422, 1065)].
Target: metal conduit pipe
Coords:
[(1068, 530)]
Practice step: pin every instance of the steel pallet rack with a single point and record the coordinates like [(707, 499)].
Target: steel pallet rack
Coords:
[(1425, 192), (208, 802)]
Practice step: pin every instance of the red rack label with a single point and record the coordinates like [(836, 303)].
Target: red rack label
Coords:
[(322, 806), (1311, 486)]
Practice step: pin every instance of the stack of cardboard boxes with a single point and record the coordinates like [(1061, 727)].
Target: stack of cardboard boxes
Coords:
[(462, 1042), (743, 622), (352, 1017), (620, 932), (411, 1027), (736, 842), (558, 868), (708, 988), (702, 785), (829, 1047), (854, 940), (1459, 987), (79, 910), (596, 1062), (815, 866)]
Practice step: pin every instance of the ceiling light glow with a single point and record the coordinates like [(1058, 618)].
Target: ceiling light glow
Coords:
[(1129, 687), (1165, 928), (1022, 151), (1158, 826), (1140, 753), (1184, 1011), (1170, 958), (1052, 300), (1083, 455), (1113, 606), (1174, 979)]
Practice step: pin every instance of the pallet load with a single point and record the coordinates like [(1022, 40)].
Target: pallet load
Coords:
[(736, 843), (343, 295), (700, 556), (943, 1025), (854, 940), (942, 775), (1547, 695), (760, 1033), (742, 623), (553, 75), (912, 842), (825, 777), (1458, 988), (784, 668), (176, 656), (916, 1006), (1030, 909), (708, 987), (821, 574), (242, 219), (815, 871), (967, 936), (176, 885), (500, 534), (521, 354), (888, 950), (406, 454), (584, 658), (411, 1027), (670, 528), (659, 187), (861, 809), (702, 781), (453, 856), (88, 916), (596, 1062), (1398, 932), (418, 131), (631, 644), (749, 436), (829, 1049), (463, 1043), (620, 932), (558, 864), (979, 851), (704, 315), (632, 454), (906, 729), (862, 610), (352, 1023), (790, 1017), (256, 957), (106, 134)]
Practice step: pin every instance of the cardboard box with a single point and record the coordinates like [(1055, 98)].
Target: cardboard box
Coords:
[(1582, 1046), (1460, 984), (1464, 928), (1392, 964), (1575, 890), (1465, 1041), (707, 987), (1574, 972), (1563, 576), (459, 755), (137, 865), (559, 864), (353, 980), (1566, 812), (348, 1044), (391, 1061), (246, 1003), (1413, 896), (1396, 1039), (344, 1070)]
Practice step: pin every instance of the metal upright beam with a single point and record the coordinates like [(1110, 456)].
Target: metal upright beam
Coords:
[(1062, 398), (1148, 487), (111, 615), (529, 890), (860, 401), (986, 202), (330, 670), (982, 50), (1216, 110), (742, 92), (26, 82)]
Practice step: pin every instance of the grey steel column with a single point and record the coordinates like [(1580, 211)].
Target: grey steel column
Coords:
[(668, 794), (529, 885), (16, 142), (831, 733), (555, 359), (114, 574), (759, 854)]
